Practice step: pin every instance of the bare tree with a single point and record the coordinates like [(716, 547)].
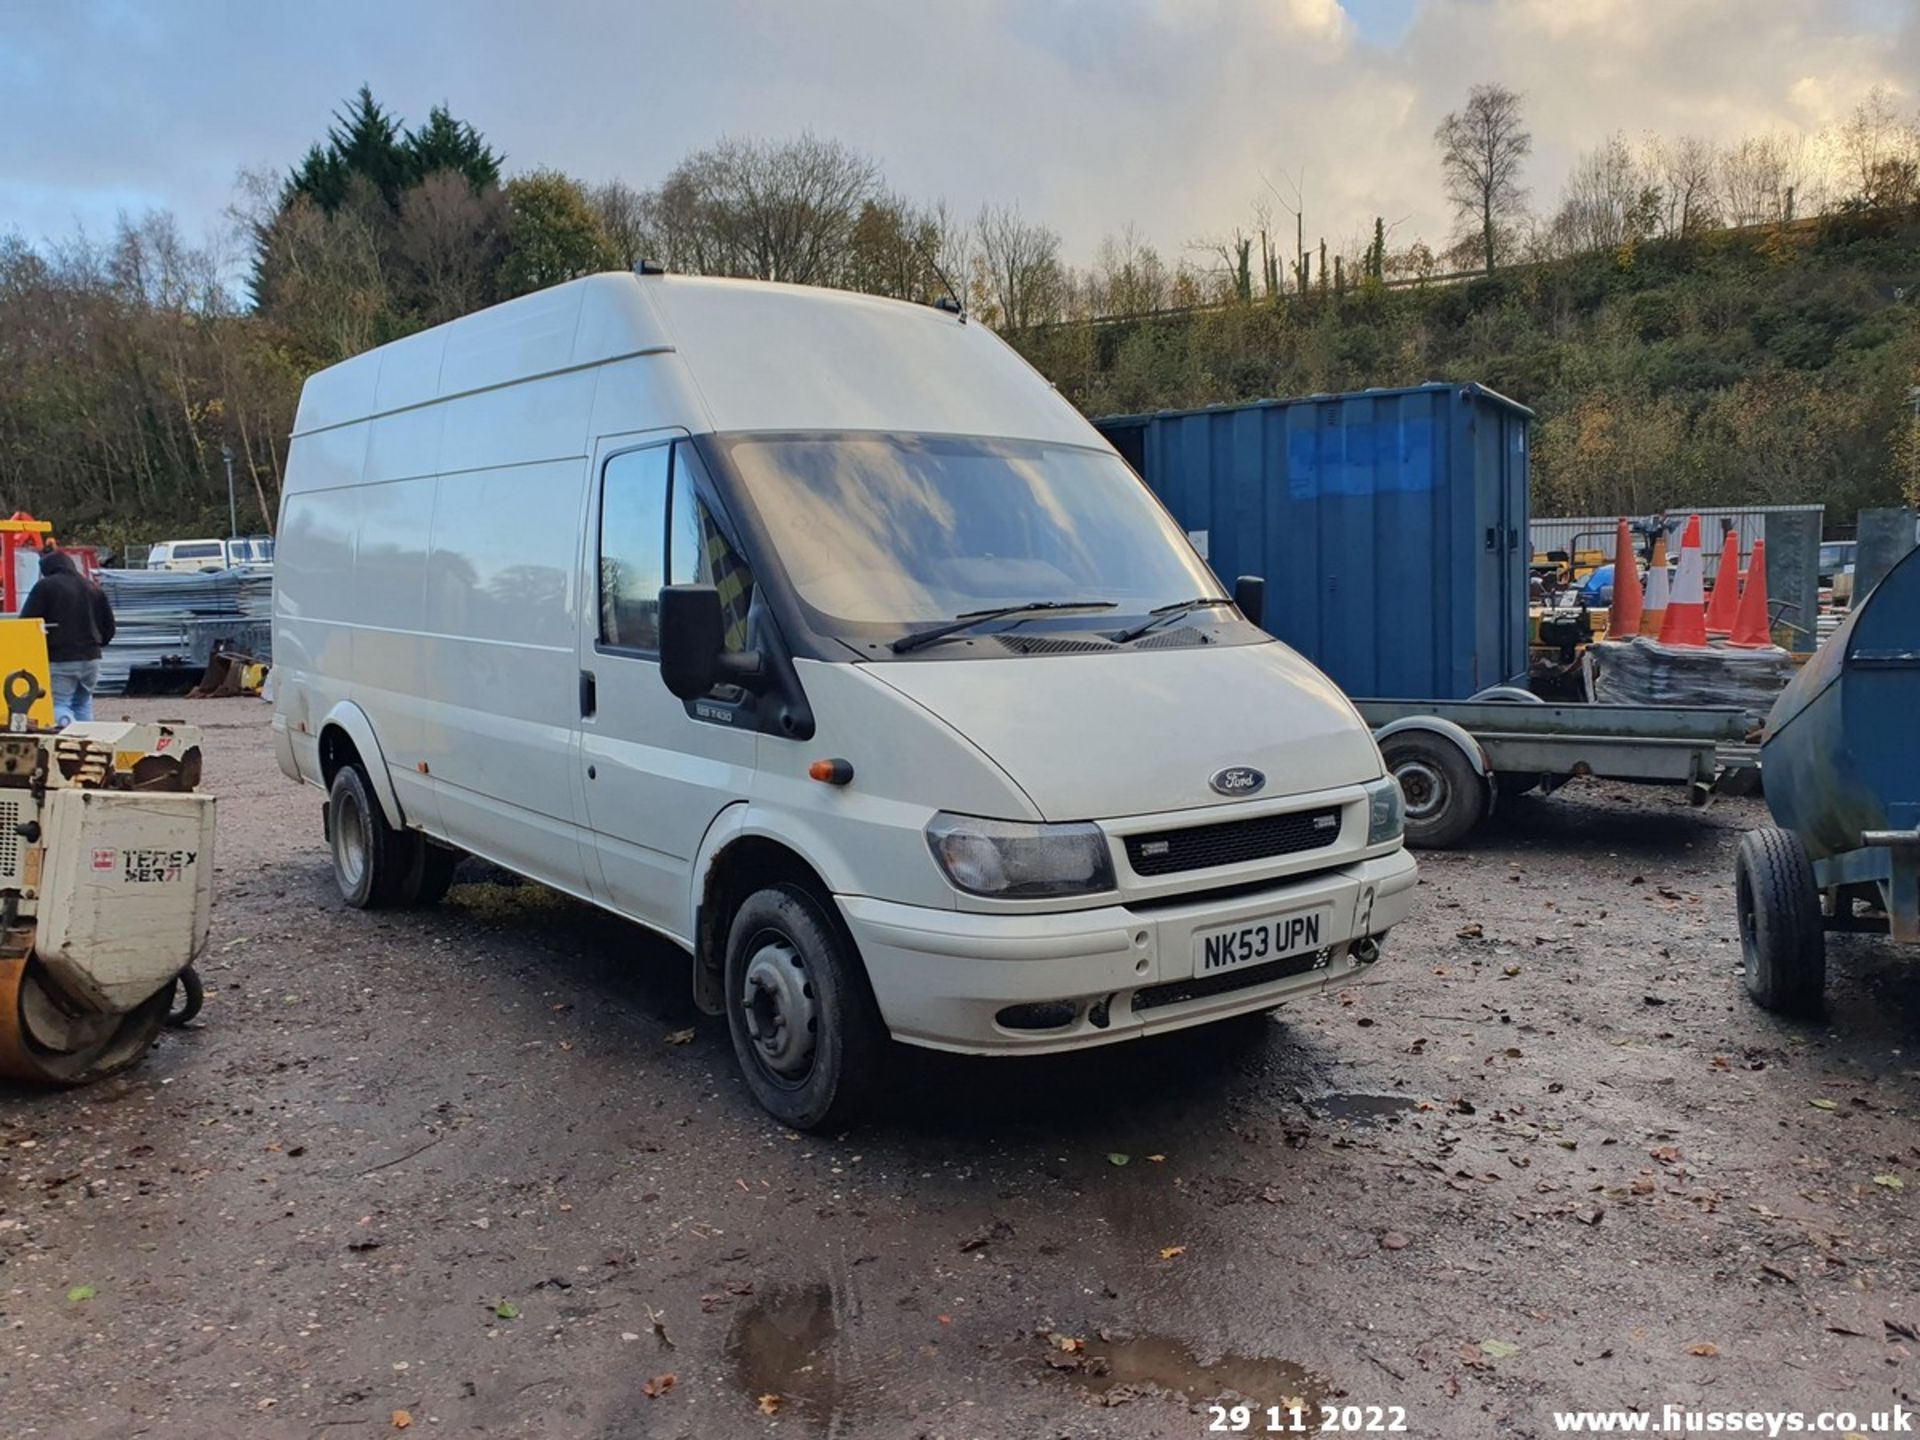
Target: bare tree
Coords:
[(767, 210), (1128, 276), (1482, 148), (1608, 201), (628, 219), (451, 240), (1759, 179), (1881, 151), (1684, 171), (1017, 269)]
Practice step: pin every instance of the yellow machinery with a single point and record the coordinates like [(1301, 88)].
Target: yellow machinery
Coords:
[(106, 888)]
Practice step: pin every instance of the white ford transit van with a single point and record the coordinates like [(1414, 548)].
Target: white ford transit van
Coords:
[(818, 634)]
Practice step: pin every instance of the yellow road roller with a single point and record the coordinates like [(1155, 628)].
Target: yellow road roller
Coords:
[(106, 889)]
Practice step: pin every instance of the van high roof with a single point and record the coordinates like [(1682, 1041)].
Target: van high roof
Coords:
[(757, 356)]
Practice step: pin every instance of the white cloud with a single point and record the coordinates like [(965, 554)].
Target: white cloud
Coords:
[(1089, 113)]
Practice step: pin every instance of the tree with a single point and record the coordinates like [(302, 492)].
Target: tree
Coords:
[(365, 142), (444, 143), (1482, 148), (627, 219), (553, 233), (1608, 201), (1018, 277), (766, 210)]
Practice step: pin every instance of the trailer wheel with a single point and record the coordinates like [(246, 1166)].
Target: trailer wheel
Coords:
[(371, 860), (805, 1028), (1782, 939), (1445, 796)]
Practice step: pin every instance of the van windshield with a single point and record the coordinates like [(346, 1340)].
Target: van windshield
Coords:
[(882, 530)]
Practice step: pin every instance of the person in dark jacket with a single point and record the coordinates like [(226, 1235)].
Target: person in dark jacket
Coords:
[(79, 620)]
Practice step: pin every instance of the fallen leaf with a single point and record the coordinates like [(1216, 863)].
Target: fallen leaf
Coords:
[(507, 1310), (1890, 1182), (1067, 1343), (1471, 931), (681, 1037), (1705, 1347), (1114, 1157), (1157, 1159), (1172, 1252), (769, 1404), (944, 1319), (401, 1419), (1499, 1349), (81, 1292), (659, 1386), (1823, 1104)]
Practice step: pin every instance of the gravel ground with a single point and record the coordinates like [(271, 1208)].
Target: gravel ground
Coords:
[(484, 1169)]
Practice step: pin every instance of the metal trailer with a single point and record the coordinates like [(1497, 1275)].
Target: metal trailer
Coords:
[(1842, 762), (1456, 759)]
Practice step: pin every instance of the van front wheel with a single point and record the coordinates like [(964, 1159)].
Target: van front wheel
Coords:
[(805, 1028)]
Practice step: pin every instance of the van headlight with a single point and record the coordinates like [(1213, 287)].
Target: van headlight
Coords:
[(1012, 860), (1386, 811)]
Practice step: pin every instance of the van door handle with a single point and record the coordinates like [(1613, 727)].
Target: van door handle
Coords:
[(589, 698)]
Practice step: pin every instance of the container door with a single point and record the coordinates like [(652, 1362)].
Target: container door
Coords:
[(1514, 460)]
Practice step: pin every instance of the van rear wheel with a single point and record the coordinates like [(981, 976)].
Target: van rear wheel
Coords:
[(372, 861), (805, 1027)]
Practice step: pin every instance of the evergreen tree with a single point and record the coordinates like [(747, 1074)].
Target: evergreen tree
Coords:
[(364, 142), (444, 143)]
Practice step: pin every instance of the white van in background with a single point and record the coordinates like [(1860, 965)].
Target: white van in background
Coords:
[(819, 635), (200, 556)]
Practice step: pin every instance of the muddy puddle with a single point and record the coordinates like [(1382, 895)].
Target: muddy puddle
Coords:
[(1358, 1108), (1148, 1363), (783, 1347)]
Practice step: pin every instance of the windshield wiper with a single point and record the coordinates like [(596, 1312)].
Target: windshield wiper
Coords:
[(1000, 612), (1165, 613)]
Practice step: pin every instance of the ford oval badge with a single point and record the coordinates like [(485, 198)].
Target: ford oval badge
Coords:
[(1237, 780)]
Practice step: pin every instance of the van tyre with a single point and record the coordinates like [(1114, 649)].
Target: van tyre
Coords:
[(1445, 796), (430, 875), (371, 860), (1783, 939), (805, 1027)]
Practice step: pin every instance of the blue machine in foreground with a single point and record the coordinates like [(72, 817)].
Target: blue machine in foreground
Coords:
[(1841, 759)]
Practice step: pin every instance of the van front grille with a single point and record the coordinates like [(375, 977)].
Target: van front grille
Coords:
[(1229, 842), (1179, 992)]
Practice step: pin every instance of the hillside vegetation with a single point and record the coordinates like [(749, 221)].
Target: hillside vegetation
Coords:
[(1767, 365), (1693, 322)]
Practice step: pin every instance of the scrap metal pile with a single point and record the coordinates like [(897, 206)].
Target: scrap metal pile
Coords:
[(174, 621)]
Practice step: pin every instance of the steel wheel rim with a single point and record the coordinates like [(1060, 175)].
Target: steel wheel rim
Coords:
[(778, 1009), (1423, 787), (349, 840)]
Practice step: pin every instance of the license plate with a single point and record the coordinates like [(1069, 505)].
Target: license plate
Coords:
[(1274, 937)]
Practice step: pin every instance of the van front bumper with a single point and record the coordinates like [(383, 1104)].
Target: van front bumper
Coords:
[(945, 978)]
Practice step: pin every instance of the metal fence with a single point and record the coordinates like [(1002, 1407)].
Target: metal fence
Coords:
[(1596, 532)]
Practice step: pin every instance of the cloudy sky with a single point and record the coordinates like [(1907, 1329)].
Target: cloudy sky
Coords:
[(1091, 114)]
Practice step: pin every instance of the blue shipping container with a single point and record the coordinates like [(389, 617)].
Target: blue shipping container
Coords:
[(1391, 526)]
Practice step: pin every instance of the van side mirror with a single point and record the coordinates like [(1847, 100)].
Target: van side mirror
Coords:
[(693, 641), (1250, 595)]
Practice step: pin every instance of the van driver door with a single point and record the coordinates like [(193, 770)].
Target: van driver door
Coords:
[(654, 771)]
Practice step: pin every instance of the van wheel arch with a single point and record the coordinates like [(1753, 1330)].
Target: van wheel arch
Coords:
[(743, 866)]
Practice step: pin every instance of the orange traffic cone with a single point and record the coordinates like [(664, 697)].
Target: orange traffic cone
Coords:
[(1685, 622), (1623, 619), (1654, 612), (1724, 603), (1752, 626)]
